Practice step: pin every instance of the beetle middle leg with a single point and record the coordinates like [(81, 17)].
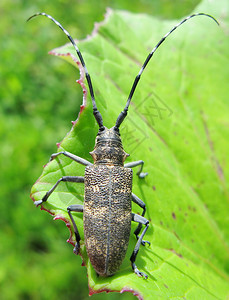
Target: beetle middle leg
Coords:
[(64, 178), (135, 164), (138, 201), (144, 221), (77, 208), (74, 157)]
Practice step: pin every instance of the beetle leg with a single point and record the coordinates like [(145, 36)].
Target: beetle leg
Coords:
[(77, 208), (64, 178), (135, 164), (74, 157), (138, 201), (144, 221)]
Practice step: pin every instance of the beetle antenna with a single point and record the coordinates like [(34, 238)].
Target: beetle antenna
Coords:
[(96, 112), (123, 114)]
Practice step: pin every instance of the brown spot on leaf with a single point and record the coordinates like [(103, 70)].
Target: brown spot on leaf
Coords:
[(218, 167), (176, 235), (178, 254)]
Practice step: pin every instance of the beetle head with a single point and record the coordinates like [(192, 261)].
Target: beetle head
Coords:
[(108, 148)]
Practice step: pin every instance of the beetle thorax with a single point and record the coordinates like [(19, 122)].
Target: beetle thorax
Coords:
[(108, 148)]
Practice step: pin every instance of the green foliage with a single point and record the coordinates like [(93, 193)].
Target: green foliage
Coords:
[(39, 98), (186, 189)]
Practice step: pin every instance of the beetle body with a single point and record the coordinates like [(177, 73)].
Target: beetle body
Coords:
[(107, 204), (107, 216), (108, 186)]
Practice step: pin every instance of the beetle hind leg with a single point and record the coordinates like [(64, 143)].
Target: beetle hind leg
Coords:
[(144, 221)]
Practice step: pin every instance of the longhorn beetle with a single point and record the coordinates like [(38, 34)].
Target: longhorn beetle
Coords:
[(108, 186)]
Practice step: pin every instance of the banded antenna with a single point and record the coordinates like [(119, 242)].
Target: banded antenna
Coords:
[(96, 112), (123, 114)]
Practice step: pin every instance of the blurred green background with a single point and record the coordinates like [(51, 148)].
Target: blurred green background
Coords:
[(39, 98)]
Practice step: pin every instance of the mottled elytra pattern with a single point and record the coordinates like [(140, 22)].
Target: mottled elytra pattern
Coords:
[(107, 216)]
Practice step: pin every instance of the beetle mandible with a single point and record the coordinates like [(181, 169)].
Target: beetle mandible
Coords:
[(106, 211)]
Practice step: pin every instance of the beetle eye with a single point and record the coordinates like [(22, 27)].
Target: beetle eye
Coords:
[(101, 129)]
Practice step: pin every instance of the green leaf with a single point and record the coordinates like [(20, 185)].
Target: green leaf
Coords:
[(178, 124)]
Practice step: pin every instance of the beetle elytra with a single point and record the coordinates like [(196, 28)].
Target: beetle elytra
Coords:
[(106, 211)]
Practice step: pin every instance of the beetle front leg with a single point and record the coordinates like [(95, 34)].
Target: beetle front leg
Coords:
[(135, 164), (77, 208), (64, 178), (144, 221)]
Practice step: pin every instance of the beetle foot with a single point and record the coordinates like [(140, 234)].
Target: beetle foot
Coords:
[(142, 175), (144, 243), (44, 199), (37, 203), (76, 249), (139, 273), (54, 155)]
